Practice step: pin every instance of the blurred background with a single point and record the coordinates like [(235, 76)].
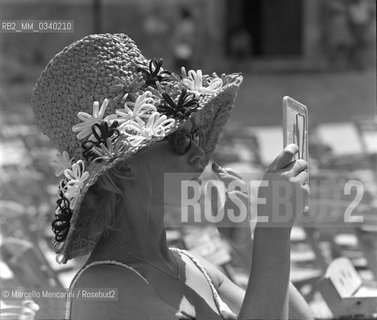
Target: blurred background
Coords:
[(322, 53)]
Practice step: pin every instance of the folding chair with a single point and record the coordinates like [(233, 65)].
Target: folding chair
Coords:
[(28, 268), (367, 236), (15, 222), (26, 310), (344, 293)]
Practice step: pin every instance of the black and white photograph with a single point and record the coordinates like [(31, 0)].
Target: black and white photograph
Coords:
[(188, 159)]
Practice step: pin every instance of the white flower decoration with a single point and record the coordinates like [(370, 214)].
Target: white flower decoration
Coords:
[(194, 82), (61, 162), (110, 150), (142, 108), (75, 182), (136, 140), (155, 127), (84, 128)]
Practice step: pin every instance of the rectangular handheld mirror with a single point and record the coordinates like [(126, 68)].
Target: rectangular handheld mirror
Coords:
[(295, 129), (295, 126)]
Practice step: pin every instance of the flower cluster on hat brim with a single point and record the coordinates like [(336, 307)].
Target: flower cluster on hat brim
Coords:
[(215, 97)]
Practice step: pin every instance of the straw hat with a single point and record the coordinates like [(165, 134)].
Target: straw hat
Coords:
[(100, 101)]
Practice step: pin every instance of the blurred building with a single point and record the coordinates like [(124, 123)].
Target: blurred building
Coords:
[(267, 34), (285, 35)]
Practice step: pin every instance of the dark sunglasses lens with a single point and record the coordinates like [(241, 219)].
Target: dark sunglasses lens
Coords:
[(181, 143)]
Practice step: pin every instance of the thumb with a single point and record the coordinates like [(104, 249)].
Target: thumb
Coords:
[(227, 176)]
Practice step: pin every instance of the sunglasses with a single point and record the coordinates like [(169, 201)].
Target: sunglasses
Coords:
[(181, 142)]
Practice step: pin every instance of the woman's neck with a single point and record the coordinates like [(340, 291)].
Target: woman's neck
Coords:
[(146, 241), (139, 230)]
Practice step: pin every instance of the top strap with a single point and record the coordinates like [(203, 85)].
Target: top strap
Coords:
[(222, 307), (77, 276)]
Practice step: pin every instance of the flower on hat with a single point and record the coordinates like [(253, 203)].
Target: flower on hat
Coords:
[(194, 81), (138, 131), (142, 108), (63, 213), (124, 90), (186, 104), (235, 78), (75, 179), (110, 150), (61, 162), (101, 132), (154, 73), (84, 128)]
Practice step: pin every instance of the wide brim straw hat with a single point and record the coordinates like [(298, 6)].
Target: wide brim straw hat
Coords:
[(100, 101)]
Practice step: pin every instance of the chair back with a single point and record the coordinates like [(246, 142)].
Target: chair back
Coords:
[(344, 277), (29, 269)]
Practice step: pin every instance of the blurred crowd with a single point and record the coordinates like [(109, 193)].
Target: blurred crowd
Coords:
[(349, 31)]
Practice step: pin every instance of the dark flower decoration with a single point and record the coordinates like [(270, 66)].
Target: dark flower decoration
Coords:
[(154, 73), (187, 103), (101, 132), (61, 223)]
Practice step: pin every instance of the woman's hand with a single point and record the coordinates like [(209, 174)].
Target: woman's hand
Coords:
[(284, 190), (235, 225), (282, 196)]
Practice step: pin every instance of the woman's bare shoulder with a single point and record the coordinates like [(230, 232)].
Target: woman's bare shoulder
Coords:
[(212, 270), (129, 296), (106, 273)]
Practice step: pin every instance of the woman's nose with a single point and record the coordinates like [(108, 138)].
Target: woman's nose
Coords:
[(196, 154)]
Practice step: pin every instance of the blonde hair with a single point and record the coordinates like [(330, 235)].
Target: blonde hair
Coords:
[(104, 200)]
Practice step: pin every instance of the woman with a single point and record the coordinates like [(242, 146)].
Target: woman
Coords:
[(112, 199)]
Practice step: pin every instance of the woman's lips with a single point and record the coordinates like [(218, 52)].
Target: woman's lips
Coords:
[(196, 179), (201, 163)]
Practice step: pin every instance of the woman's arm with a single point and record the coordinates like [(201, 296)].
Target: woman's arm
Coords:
[(234, 296), (269, 277), (268, 294)]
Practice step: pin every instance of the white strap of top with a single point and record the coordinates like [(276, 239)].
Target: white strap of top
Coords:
[(73, 283), (221, 305)]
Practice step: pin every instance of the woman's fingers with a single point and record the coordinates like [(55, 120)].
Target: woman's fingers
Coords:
[(229, 176), (235, 174), (302, 178), (295, 167), (299, 166), (284, 158), (216, 168)]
